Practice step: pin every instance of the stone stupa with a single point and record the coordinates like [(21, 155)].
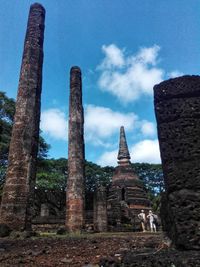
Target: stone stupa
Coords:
[(127, 195)]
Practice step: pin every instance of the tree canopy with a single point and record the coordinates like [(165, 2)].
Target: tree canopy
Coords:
[(152, 176), (7, 111)]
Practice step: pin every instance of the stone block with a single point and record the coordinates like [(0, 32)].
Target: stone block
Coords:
[(177, 108)]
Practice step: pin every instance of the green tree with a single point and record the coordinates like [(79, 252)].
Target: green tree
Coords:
[(43, 148), (152, 176), (7, 111), (96, 175), (52, 174)]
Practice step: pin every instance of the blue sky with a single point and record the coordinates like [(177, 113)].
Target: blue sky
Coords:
[(123, 47)]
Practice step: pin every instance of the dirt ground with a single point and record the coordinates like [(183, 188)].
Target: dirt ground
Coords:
[(91, 250)]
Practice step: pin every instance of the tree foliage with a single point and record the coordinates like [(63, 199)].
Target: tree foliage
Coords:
[(7, 111), (52, 174), (96, 175), (43, 148), (152, 176)]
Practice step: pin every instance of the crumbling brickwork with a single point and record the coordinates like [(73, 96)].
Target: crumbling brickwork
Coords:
[(177, 108), (20, 179), (76, 156), (100, 210), (127, 195)]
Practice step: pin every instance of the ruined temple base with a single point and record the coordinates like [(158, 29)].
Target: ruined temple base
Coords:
[(95, 250)]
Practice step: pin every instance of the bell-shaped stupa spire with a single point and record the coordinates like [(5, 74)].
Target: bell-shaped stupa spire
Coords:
[(123, 154)]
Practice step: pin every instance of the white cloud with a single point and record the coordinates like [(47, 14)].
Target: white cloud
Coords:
[(113, 57), (133, 75), (175, 74), (101, 123), (108, 158), (143, 151), (146, 151), (54, 124), (148, 128), (148, 55)]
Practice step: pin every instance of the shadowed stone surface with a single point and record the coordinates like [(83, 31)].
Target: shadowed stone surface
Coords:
[(163, 258), (100, 210), (127, 195), (177, 108), (4, 230), (76, 182), (44, 212), (20, 180)]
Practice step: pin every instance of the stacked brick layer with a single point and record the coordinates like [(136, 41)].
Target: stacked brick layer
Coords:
[(76, 156), (20, 180), (177, 108), (135, 195), (100, 210), (127, 196)]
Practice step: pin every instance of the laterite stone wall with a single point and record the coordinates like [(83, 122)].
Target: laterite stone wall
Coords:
[(177, 108)]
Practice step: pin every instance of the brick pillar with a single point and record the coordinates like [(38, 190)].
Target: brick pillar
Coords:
[(177, 108), (101, 222), (75, 202), (20, 179)]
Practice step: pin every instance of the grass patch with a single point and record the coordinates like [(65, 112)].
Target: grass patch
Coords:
[(84, 235)]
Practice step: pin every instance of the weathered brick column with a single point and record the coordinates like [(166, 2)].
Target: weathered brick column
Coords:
[(20, 179), (100, 210), (177, 108), (75, 202)]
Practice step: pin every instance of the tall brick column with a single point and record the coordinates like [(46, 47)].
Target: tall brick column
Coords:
[(75, 202), (20, 179), (177, 108)]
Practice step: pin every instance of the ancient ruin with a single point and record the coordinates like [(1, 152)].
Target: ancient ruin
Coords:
[(100, 210), (47, 207), (177, 108), (20, 179), (127, 195), (76, 156)]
